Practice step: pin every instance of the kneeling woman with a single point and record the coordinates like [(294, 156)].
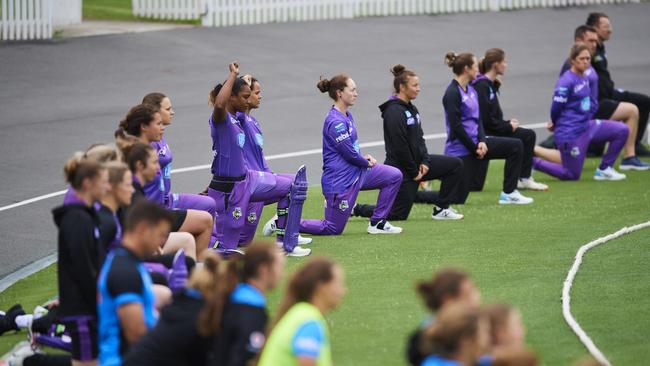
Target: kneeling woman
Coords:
[(346, 172), (574, 130), (466, 138)]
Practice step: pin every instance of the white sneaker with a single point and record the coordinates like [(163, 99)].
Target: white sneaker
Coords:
[(304, 241), (18, 354), (270, 226), (514, 198), (608, 173), (298, 251), (529, 183), (383, 227), (446, 214)]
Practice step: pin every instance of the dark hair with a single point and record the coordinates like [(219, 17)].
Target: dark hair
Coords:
[(594, 18), (401, 75), (579, 33), (135, 153), (77, 169), (154, 99), (492, 56), (453, 324), (237, 86), (141, 114), (333, 85), (457, 62), (253, 81), (209, 281), (145, 211), (444, 283), (304, 281), (577, 49)]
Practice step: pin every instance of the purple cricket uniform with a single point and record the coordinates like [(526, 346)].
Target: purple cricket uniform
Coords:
[(345, 173), (234, 186), (471, 134), (159, 190), (571, 113), (254, 157)]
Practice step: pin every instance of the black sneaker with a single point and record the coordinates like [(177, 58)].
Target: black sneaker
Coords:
[(8, 321), (549, 143)]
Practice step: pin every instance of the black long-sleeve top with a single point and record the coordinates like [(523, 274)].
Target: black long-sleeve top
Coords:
[(78, 259), (403, 137), (490, 112), (605, 82)]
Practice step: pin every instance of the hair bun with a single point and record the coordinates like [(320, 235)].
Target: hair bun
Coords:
[(450, 58), (323, 85), (397, 69), (211, 262)]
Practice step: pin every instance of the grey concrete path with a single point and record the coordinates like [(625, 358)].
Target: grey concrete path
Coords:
[(58, 97), (89, 28)]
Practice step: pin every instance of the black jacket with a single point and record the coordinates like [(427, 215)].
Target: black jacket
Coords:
[(490, 111), (175, 340), (78, 259), (605, 82), (403, 137), (241, 336)]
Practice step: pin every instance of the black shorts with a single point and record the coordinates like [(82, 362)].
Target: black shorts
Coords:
[(83, 332), (179, 218), (606, 108)]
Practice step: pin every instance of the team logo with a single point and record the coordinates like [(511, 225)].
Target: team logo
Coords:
[(410, 121), (236, 213), (163, 151), (256, 341), (340, 127), (344, 205), (241, 139), (252, 217), (585, 104), (575, 151), (408, 114)]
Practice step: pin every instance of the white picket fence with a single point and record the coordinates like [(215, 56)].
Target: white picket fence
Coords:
[(169, 9), (25, 19)]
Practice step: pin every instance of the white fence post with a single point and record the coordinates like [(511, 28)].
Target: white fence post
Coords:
[(25, 19)]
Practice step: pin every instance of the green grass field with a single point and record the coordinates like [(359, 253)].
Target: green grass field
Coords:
[(518, 255), (117, 10)]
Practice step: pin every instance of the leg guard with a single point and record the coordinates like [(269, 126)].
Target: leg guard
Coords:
[(177, 276), (297, 197)]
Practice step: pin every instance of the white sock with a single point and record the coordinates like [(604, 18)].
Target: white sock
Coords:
[(24, 321), (2, 313)]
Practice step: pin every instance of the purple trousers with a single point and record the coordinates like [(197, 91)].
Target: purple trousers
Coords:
[(194, 202), (574, 152), (338, 207), (253, 215), (257, 187)]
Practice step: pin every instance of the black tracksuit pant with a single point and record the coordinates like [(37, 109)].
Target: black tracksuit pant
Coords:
[(446, 168), (510, 149)]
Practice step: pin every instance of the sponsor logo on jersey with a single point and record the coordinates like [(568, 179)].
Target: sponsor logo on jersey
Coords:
[(579, 87), (236, 213), (341, 127), (163, 150), (342, 137), (241, 139), (585, 104), (259, 139), (575, 151), (598, 58), (252, 217), (256, 341), (464, 98), (356, 146), (408, 114), (344, 205), (562, 90), (560, 99), (410, 121)]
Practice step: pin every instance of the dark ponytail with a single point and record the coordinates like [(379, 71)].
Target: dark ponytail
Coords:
[(237, 86), (333, 85), (154, 99), (141, 114), (444, 284), (457, 62), (401, 75), (77, 169)]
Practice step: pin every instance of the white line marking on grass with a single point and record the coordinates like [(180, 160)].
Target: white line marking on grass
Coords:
[(294, 154), (568, 282)]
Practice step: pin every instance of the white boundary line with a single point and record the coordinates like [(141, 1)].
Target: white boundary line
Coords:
[(568, 282), (31, 268)]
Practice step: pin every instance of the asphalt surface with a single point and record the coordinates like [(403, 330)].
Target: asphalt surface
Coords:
[(60, 96)]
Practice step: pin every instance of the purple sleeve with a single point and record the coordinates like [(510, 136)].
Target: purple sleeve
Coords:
[(560, 98), (342, 142)]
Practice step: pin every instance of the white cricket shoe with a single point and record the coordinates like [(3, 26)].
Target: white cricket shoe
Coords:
[(514, 198), (530, 184), (270, 226), (304, 241), (383, 227), (608, 173), (298, 251), (446, 214)]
